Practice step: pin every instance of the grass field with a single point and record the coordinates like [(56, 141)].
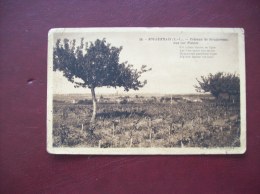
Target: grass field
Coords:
[(208, 123)]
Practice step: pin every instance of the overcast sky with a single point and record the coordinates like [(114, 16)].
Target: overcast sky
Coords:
[(170, 73)]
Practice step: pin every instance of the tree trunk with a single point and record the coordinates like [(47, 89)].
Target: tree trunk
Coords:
[(94, 100)]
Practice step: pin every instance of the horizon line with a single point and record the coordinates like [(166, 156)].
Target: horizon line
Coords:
[(133, 93)]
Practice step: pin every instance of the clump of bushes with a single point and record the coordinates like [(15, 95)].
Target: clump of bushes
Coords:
[(85, 101)]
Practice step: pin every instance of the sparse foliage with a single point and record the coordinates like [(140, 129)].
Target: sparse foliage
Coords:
[(96, 65)]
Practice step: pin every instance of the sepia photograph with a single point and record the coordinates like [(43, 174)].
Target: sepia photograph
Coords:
[(146, 91)]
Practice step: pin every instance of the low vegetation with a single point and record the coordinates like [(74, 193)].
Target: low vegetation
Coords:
[(184, 123)]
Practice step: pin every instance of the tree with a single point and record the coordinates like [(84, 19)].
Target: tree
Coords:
[(96, 65), (220, 83)]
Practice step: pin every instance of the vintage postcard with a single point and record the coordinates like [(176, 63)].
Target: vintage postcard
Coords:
[(146, 91)]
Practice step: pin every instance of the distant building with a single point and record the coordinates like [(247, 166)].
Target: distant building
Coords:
[(192, 99)]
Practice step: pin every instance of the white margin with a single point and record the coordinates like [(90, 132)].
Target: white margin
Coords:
[(152, 150)]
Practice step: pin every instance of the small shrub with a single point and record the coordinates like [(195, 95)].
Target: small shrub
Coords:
[(85, 101)]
